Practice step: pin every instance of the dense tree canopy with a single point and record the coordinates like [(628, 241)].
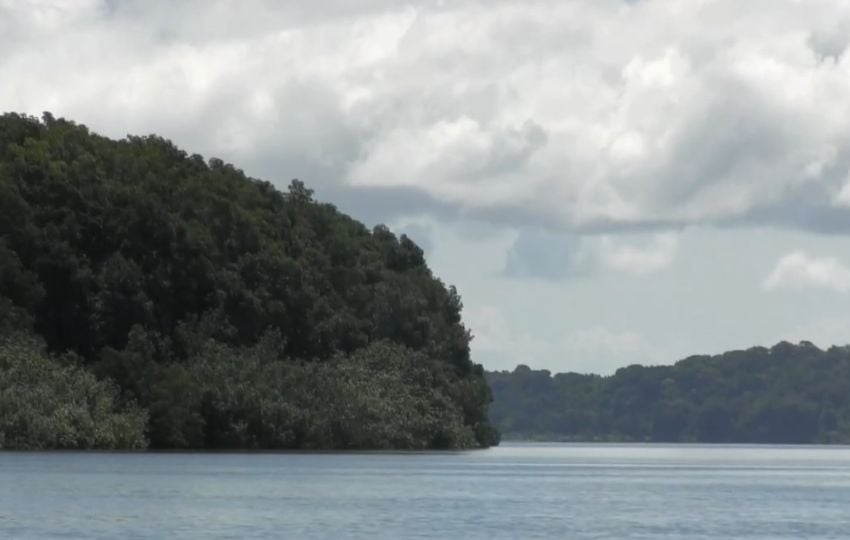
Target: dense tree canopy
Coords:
[(785, 394), (224, 312)]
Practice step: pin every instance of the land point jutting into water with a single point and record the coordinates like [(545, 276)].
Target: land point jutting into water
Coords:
[(154, 299), (151, 298)]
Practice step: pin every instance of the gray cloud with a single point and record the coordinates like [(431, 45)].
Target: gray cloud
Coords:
[(533, 117), (537, 253), (383, 205)]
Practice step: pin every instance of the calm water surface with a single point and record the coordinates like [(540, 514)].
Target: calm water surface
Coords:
[(512, 492)]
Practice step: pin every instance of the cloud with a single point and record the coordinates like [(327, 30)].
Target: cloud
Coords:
[(651, 255), (800, 271), (452, 157), (584, 117), (554, 255), (540, 254)]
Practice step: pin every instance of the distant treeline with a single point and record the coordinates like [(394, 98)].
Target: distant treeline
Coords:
[(785, 394), (153, 298)]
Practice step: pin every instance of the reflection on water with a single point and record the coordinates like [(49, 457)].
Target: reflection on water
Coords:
[(514, 491)]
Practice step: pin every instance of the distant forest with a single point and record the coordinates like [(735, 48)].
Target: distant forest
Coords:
[(785, 394), (153, 298)]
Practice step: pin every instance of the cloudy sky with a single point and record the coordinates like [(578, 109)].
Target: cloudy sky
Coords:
[(607, 182)]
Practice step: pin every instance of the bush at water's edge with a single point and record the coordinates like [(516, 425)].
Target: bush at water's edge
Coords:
[(47, 403)]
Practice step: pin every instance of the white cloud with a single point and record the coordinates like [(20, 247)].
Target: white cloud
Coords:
[(800, 271), (573, 114), (652, 256)]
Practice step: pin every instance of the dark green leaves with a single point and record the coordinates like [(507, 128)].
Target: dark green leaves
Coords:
[(166, 274), (786, 394)]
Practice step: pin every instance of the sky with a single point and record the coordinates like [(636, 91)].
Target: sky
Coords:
[(607, 182)]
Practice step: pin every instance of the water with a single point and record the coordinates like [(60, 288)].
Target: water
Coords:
[(510, 492)]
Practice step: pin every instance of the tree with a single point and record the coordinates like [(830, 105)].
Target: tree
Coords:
[(165, 275)]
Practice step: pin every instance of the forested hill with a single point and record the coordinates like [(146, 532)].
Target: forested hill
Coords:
[(785, 394), (150, 297)]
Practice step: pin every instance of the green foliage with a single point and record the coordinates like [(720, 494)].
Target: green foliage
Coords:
[(47, 403), (383, 396), (224, 307), (785, 394)]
